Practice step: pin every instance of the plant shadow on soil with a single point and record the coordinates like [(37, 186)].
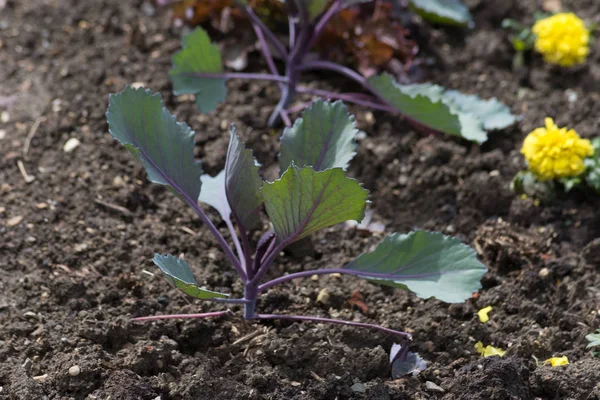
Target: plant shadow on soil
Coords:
[(72, 271)]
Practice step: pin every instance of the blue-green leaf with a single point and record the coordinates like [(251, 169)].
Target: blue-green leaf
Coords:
[(445, 111), (448, 12), (322, 138), (198, 55), (138, 119), (304, 201), (177, 273), (426, 263)]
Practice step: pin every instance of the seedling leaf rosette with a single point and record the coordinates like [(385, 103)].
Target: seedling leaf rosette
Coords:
[(198, 70), (312, 193)]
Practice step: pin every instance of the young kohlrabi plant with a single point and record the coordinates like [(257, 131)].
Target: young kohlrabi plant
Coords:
[(198, 70), (312, 193)]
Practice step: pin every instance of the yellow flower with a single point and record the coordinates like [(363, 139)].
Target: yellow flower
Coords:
[(483, 314), (562, 39), (554, 152), (489, 351), (557, 361)]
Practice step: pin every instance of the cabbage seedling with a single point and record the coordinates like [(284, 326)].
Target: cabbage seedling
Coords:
[(312, 193), (198, 70)]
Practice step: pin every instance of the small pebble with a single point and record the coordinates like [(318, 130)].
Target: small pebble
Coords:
[(14, 221), (323, 296), (5, 117), (118, 181), (74, 370), (358, 388), (544, 272), (295, 384), (432, 387), (41, 378), (80, 247), (2, 134), (27, 364), (71, 145), (137, 85)]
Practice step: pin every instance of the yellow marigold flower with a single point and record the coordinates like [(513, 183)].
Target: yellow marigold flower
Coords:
[(554, 152), (489, 351), (484, 314), (562, 39), (557, 361)]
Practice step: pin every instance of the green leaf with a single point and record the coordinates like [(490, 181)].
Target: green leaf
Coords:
[(593, 339), (448, 12), (426, 263), (243, 182), (177, 273), (304, 201), (441, 110), (138, 120), (198, 55), (316, 7), (323, 138), (492, 113)]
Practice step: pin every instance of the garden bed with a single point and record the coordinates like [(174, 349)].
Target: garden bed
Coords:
[(76, 242)]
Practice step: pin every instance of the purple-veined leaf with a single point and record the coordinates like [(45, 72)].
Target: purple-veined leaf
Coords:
[(411, 363), (138, 119), (322, 138), (426, 263), (198, 55), (313, 8), (304, 201), (243, 182), (445, 111), (448, 12), (236, 189), (178, 273)]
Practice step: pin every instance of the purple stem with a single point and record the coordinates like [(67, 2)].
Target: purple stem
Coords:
[(238, 247), (269, 34), (220, 239), (322, 24), (333, 321), (178, 316), (331, 66), (268, 259), (236, 75), (292, 31), (266, 52), (350, 98), (245, 246)]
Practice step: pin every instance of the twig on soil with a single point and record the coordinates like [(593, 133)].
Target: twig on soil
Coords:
[(250, 336), (114, 207), (317, 377), (188, 230), (28, 178), (30, 135)]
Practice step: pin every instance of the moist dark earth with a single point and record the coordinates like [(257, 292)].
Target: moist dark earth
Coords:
[(76, 242)]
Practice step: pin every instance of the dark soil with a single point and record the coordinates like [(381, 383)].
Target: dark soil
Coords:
[(73, 271)]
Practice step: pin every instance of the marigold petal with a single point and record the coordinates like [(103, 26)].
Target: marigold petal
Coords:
[(489, 351), (557, 361), (484, 314)]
